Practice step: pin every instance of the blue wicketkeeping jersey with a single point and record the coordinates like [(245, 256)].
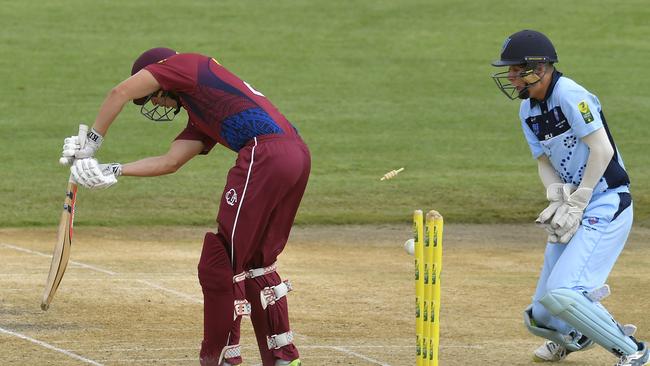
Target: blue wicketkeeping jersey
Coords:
[(556, 125)]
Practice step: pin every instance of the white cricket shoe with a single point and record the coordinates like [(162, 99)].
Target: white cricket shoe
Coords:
[(638, 358), (550, 352)]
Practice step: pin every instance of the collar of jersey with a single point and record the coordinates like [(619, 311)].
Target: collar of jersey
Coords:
[(549, 91)]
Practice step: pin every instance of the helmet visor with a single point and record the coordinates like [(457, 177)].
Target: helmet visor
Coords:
[(507, 88), (157, 112)]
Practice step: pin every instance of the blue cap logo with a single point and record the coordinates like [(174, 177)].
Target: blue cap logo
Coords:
[(505, 44)]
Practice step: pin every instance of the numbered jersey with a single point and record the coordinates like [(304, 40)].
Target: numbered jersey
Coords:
[(222, 108)]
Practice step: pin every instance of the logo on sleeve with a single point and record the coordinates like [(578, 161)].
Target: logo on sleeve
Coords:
[(583, 107)]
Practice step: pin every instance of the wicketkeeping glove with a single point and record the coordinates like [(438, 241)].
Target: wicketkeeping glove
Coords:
[(567, 218), (90, 174), (555, 196)]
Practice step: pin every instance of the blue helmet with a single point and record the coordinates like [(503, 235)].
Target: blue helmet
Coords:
[(527, 48)]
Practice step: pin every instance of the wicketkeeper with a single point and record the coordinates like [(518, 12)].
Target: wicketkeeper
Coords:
[(589, 215), (237, 269)]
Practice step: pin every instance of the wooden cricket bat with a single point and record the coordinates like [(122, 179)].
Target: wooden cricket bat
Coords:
[(61, 254)]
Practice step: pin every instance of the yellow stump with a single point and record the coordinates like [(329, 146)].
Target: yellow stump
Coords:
[(418, 234), (428, 265)]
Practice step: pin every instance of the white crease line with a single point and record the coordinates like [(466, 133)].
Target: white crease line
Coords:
[(347, 351), (49, 346), (87, 266), (180, 294)]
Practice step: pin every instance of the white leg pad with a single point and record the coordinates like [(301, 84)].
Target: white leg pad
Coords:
[(279, 340), (269, 295), (580, 312), (230, 352)]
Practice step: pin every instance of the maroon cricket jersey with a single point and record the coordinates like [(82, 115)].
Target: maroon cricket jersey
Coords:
[(222, 108)]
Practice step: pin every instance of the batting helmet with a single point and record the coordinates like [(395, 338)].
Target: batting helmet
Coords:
[(147, 58), (524, 47)]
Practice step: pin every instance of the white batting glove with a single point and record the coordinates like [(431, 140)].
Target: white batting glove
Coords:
[(93, 142), (555, 196), (70, 146), (567, 218), (90, 174)]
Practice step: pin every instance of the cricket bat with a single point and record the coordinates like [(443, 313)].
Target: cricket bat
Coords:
[(61, 254)]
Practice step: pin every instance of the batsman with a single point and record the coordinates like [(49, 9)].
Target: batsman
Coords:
[(589, 215), (237, 269)]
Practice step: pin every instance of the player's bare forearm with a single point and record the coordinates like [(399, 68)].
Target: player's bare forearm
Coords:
[(150, 167), (180, 153), (600, 154), (137, 86)]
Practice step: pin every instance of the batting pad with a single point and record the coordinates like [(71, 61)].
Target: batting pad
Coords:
[(594, 322)]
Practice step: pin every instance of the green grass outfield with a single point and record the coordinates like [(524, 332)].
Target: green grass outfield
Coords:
[(371, 85)]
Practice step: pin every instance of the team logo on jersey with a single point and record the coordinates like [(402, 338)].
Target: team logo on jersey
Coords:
[(231, 197), (536, 128), (583, 107), (593, 220)]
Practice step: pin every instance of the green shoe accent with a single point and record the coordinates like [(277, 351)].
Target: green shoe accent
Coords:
[(295, 362)]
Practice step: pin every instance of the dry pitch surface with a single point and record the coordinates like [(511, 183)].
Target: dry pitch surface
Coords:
[(132, 297)]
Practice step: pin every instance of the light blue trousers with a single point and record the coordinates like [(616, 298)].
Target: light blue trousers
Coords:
[(586, 261)]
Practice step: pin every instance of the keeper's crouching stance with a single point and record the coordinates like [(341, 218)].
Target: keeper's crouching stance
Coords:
[(589, 215), (237, 269)]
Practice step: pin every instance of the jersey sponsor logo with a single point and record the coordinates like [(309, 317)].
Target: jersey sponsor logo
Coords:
[(231, 197), (548, 124), (583, 107)]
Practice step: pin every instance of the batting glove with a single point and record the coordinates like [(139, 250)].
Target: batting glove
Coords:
[(567, 218), (70, 146), (90, 174), (93, 141)]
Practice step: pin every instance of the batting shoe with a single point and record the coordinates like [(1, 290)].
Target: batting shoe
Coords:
[(638, 358), (295, 362)]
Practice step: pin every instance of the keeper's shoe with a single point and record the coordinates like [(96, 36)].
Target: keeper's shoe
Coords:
[(553, 352), (550, 352), (638, 358)]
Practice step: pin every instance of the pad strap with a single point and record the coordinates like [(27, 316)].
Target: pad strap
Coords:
[(280, 340), (242, 307), (599, 294), (239, 277), (269, 295), (257, 272), (229, 352)]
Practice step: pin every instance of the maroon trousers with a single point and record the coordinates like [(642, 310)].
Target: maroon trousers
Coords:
[(258, 207)]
